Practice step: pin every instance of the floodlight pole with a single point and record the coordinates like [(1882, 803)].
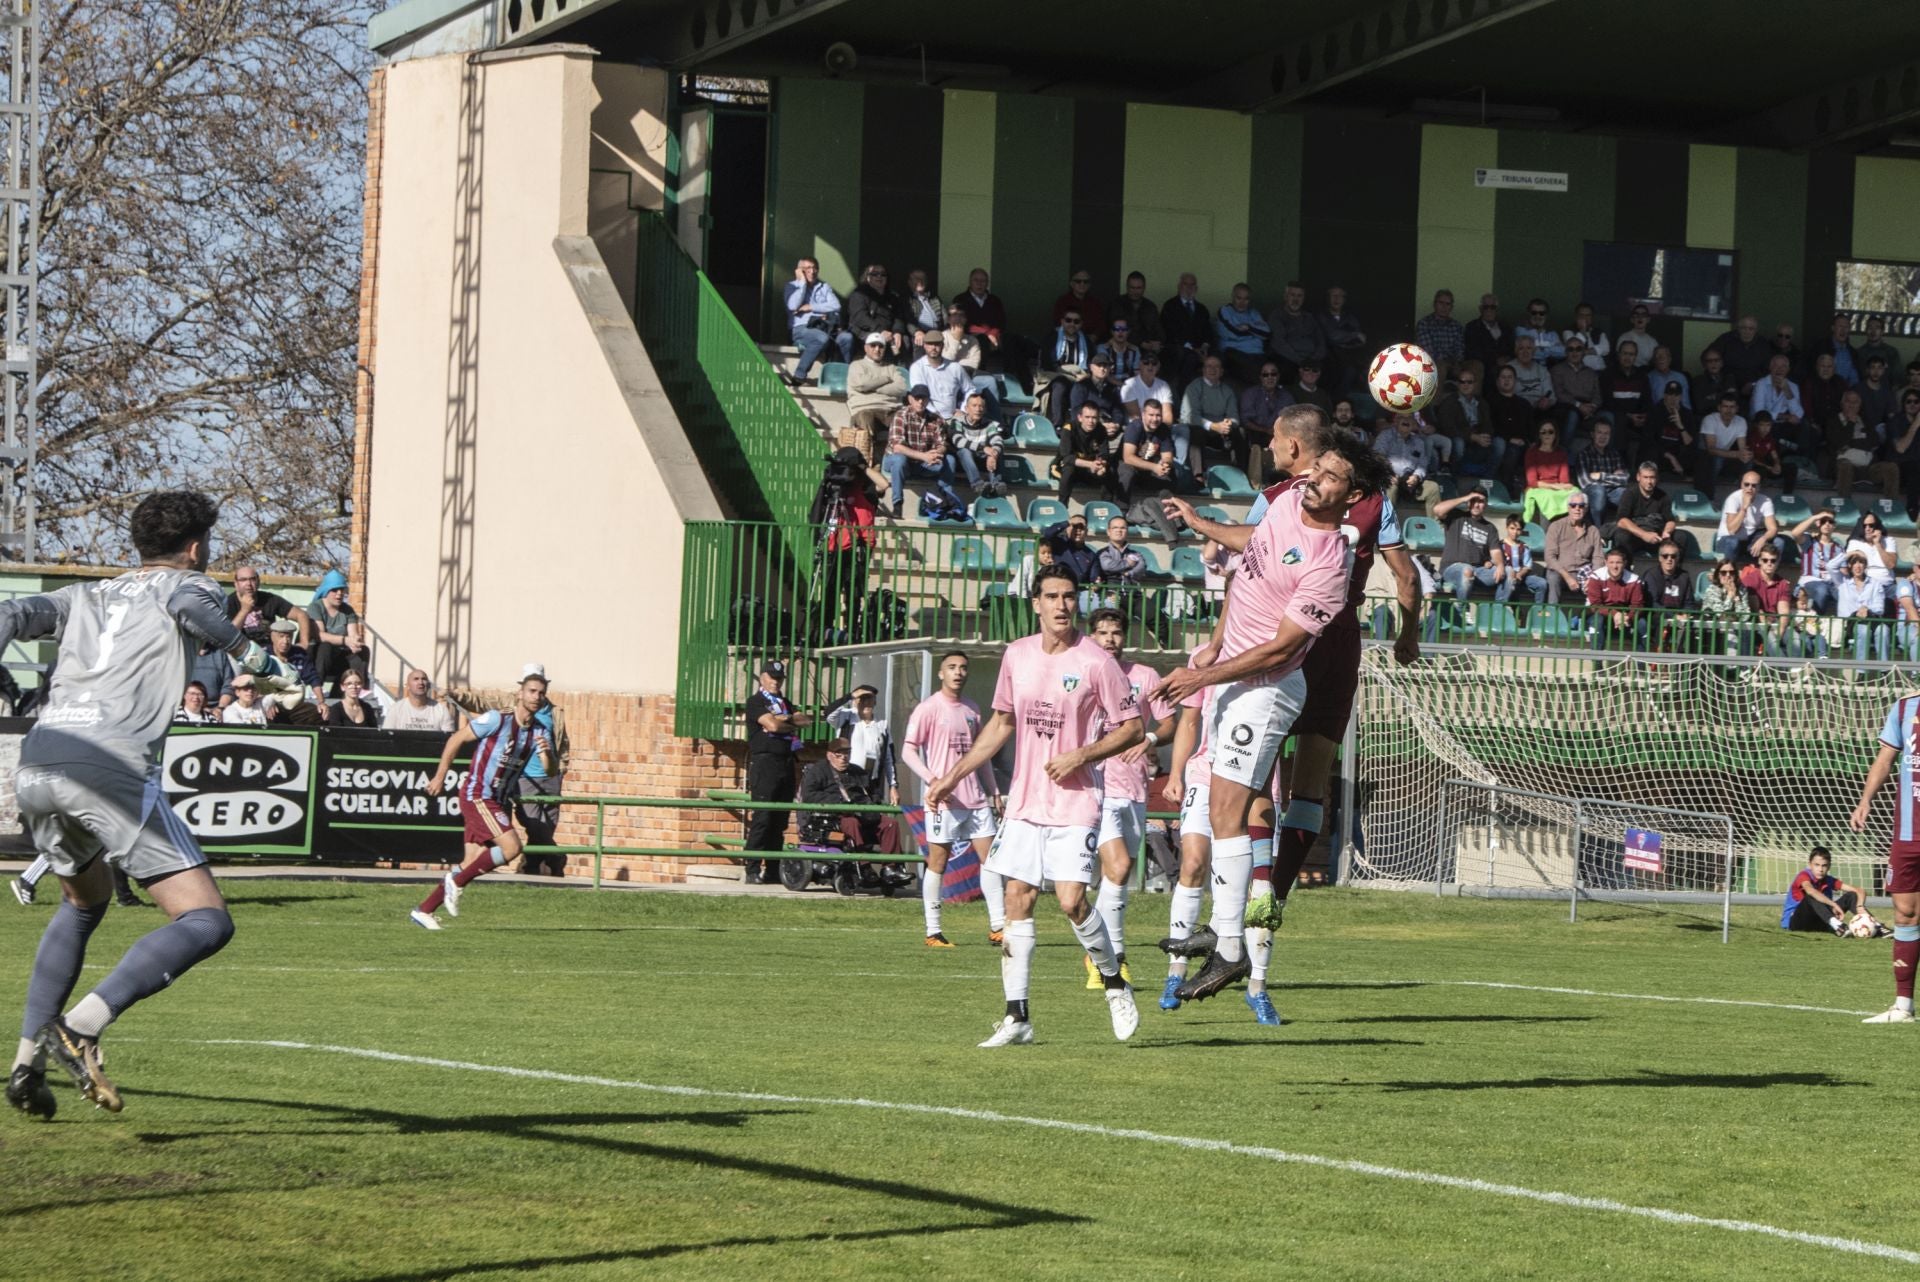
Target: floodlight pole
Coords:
[(19, 275)]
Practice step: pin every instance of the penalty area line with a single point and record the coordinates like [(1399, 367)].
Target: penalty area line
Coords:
[(1594, 992), (1572, 1201)]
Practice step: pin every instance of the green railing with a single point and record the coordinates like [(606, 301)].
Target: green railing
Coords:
[(762, 453)]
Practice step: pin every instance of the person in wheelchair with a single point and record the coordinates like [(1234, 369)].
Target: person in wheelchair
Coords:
[(835, 780)]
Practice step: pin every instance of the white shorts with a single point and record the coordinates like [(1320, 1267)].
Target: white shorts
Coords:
[(1196, 819), (951, 825), (1123, 820), (1032, 854), (1250, 723)]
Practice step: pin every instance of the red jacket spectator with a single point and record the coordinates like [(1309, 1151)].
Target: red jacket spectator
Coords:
[(1093, 313), (1608, 593), (1546, 467), (1768, 595), (986, 316)]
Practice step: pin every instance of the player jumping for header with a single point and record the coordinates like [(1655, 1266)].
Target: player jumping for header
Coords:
[(89, 784)]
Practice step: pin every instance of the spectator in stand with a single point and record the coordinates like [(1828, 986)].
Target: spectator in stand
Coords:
[(1662, 372), (1020, 584), (246, 708), (1000, 348), (1669, 589), (1615, 595), (836, 780), (1141, 313), (1879, 399), (1243, 335), (844, 510), (872, 308), (1601, 473), (1744, 353), (1260, 406), (1090, 451), (876, 389), (1783, 345), (1407, 452), (1462, 414), (1478, 454), (1820, 393), (1595, 346), (1346, 341), (1297, 337), (1863, 602), (1819, 901), (1636, 333), (1532, 380), (1547, 343), (541, 818), (946, 384), (1705, 387), (1763, 454), (1853, 444), (1211, 413), (1876, 345), (1071, 550), (1777, 396), (814, 320), (1722, 442), (773, 737), (1516, 564), (1643, 519), (1747, 526), (1440, 334), (1098, 388), (1187, 330), (350, 711), (1906, 600), (1772, 599), (1121, 350), (193, 709), (1485, 339), (1676, 436), (1624, 398), (1823, 560), (1549, 480), (916, 449), (1513, 426), (1149, 471), (1573, 546), (1147, 385), (929, 314), (976, 443), (1066, 356), (254, 610), (1078, 298), (340, 637), (1343, 416), (1881, 550), (1471, 553), (419, 710), (856, 718), (1306, 388), (960, 348), (1576, 390), (1725, 611), (1119, 563), (1903, 447), (286, 648)]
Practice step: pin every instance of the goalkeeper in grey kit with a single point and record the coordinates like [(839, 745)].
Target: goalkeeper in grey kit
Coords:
[(89, 786)]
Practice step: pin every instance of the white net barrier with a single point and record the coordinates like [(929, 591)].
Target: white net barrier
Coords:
[(1780, 750)]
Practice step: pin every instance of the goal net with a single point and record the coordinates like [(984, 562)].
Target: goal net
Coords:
[(1780, 750)]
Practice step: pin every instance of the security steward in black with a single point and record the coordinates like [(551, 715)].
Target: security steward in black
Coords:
[(773, 737)]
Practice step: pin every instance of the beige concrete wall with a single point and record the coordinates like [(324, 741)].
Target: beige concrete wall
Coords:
[(515, 509), (629, 162)]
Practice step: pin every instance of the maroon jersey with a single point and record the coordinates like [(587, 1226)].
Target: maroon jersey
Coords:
[(1370, 524)]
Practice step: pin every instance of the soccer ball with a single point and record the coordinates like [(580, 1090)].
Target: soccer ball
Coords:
[(1862, 927), (1403, 378)]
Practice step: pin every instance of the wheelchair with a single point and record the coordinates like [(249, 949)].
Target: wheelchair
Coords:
[(820, 834)]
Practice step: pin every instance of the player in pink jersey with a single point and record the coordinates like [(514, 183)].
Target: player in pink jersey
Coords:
[(1057, 691), (1291, 583), (940, 732), (1123, 808), (1189, 787)]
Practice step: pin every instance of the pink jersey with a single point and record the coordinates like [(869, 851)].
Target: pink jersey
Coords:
[(1058, 702), (1127, 780), (1288, 571), (942, 730), (1200, 764)]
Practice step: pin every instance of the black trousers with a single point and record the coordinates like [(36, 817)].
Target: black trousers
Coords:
[(1814, 915), (769, 778), (843, 586), (540, 819)]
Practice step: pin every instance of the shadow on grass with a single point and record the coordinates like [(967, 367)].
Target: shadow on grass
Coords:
[(1645, 1078), (275, 901), (1266, 1042), (1465, 1019), (500, 1124)]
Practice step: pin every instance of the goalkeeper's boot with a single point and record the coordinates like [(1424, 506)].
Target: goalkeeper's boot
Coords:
[(1170, 992), (27, 1090), (1198, 944), (1214, 977), (1265, 911), (80, 1056), (1892, 1015), (1264, 1012)]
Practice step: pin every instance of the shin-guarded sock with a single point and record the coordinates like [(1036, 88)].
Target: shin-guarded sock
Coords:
[(1262, 839), (1111, 904), (1906, 955), (1299, 833), (490, 859), (1181, 918), (1016, 963), (1259, 955), (1232, 870), (993, 888), (1092, 933), (155, 960), (56, 967), (930, 883)]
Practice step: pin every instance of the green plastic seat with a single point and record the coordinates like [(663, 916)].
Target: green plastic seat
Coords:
[(1227, 482), (1691, 505), (1098, 513), (997, 514), (1893, 515), (971, 553), (1423, 534), (1016, 470), (1044, 512), (833, 379), (1034, 432), (1187, 565)]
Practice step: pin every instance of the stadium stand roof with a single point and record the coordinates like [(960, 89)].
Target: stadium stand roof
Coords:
[(1706, 70)]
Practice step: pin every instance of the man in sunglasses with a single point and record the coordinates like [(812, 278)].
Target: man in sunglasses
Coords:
[(1747, 524)]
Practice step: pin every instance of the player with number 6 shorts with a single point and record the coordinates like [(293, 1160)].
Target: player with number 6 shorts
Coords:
[(940, 732), (1899, 758), (1291, 583), (1056, 691)]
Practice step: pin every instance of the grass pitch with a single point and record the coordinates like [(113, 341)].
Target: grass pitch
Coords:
[(251, 1161)]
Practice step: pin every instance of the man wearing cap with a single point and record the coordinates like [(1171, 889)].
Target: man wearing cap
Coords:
[(773, 736), (1306, 388), (541, 818), (876, 388), (947, 382), (916, 448), (838, 780), (308, 709), (246, 708), (813, 319), (419, 710), (1472, 551), (1098, 388)]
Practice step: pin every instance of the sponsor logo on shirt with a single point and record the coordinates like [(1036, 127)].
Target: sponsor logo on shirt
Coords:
[(1044, 719), (1291, 557), (1315, 613)]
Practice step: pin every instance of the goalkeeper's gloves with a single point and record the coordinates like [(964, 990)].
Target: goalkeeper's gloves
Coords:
[(255, 659)]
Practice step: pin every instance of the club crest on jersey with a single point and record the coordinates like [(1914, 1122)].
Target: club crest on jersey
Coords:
[(1291, 557), (1070, 682)]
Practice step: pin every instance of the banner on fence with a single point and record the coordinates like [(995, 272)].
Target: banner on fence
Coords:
[(1643, 850)]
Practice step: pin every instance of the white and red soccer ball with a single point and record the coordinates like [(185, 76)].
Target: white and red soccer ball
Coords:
[(1403, 378)]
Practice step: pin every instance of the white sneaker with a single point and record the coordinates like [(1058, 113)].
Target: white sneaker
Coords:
[(1126, 1016), (453, 895), (1893, 1015), (1010, 1032), (426, 920), (23, 891)]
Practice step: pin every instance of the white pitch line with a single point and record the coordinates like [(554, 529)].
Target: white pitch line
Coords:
[(1625, 997), (1686, 1219)]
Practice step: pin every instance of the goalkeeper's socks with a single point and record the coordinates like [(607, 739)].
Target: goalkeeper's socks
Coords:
[(480, 867)]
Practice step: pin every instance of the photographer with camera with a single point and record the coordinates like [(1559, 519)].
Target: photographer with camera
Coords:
[(844, 506)]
